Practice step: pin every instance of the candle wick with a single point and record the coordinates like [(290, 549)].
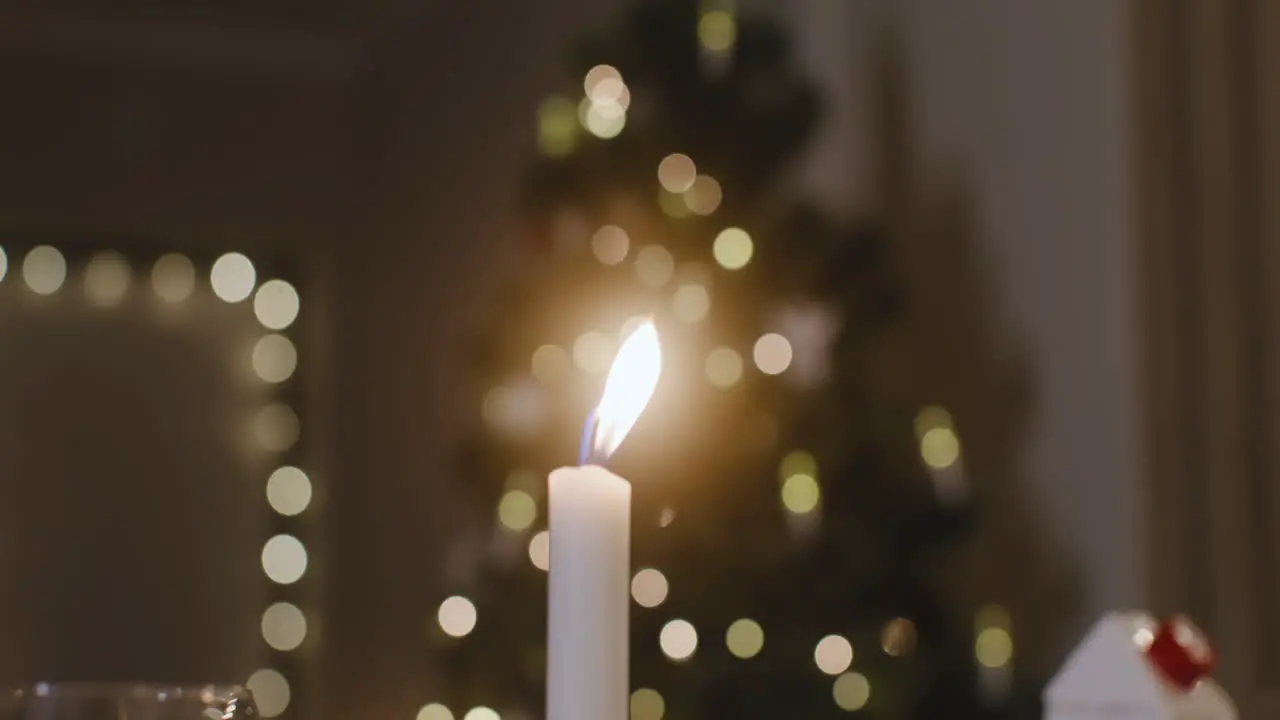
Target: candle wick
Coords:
[(588, 438)]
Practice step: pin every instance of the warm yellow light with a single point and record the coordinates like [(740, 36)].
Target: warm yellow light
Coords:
[(632, 324), (274, 358), (550, 363), (631, 382), (798, 462), (654, 265), (717, 30), (994, 647), (647, 704), (481, 713), (540, 550), (931, 417), (691, 302), (610, 244), (270, 692), (591, 351), (833, 655), (434, 711), (649, 588), (898, 637), (457, 616), (173, 278), (601, 82), (233, 277), (940, 448), (772, 354), (851, 691), (276, 427), (724, 367), (517, 510), (284, 626), (4, 264), (705, 195), (44, 269), (732, 248), (745, 638), (288, 491), (678, 639), (276, 304), (284, 559), (604, 120), (801, 493), (106, 279), (667, 517), (557, 126), (677, 172)]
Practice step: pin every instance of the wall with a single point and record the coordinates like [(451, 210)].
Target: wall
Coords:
[(1021, 109)]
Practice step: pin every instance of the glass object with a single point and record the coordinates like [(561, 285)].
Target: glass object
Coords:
[(126, 701)]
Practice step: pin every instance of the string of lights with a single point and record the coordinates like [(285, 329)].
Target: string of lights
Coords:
[(107, 280)]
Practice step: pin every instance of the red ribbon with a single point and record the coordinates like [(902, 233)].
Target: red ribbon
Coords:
[(1181, 652)]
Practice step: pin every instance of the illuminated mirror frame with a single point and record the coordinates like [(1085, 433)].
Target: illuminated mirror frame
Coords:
[(293, 664)]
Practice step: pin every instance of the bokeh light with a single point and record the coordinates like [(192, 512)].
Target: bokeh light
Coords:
[(274, 358), (284, 559), (457, 616), (673, 204), (284, 626), (233, 277), (631, 324), (649, 588), (517, 510), (930, 417), (724, 367), (691, 302), (772, 354), (276, 427), (288, 491), (593, 352), (610, 244), (276, 304), (602, 120), (106, 279), (44, 270), (647, 704), (833, 655), (270, 692), (481, 713), (704, 196), (798, 462), (939, 448), (993, 647), (678, 639), (732, 248), (851, 691), (557, 126), (173, 278), (745, 638), (801, 493), (550, 364), (898, 637), (601, 83), (434, 711), (540, 550), (654, 265), (4, 264), (677, 172), (717, 30)]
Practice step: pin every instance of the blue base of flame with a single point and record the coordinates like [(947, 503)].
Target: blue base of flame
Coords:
[(585, 454)]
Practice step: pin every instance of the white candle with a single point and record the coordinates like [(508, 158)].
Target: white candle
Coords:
[(590, 562)]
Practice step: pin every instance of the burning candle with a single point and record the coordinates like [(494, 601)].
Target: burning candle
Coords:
[(590, 566)]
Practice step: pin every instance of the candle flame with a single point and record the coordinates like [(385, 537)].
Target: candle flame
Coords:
[(631, 382)]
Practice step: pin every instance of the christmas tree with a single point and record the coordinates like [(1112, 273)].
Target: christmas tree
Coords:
[(787, 519)]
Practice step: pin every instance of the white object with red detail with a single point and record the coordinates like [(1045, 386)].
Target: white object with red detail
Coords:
[(1114, 674)]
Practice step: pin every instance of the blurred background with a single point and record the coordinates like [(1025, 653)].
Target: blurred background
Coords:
[(969, 313)]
